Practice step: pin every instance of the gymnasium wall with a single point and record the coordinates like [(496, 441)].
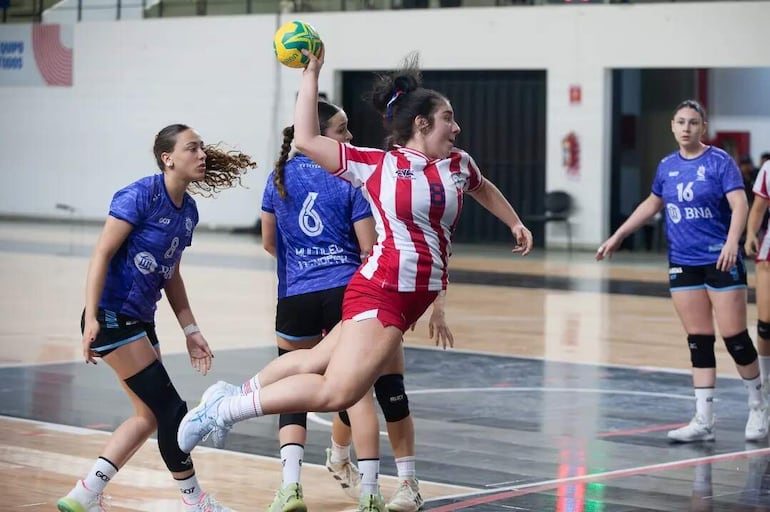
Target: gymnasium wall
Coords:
[(77, 145)]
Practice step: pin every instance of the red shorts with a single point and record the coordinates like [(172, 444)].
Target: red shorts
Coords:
[(364, 299)]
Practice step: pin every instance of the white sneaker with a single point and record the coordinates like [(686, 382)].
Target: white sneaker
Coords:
[(699, 429), (81, 499), (346, 474), (407, 497), (371, 503), (226, 387), (757, 424), (202, 421), (206, 504)]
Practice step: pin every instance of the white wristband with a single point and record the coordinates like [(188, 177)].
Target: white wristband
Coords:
[(191, 329)]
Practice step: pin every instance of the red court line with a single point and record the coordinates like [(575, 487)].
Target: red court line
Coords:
[(640, 430), (535, 487)]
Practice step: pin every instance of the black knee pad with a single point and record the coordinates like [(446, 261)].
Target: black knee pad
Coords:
[(763, 330), (153, 386), (392, 397), (741, 348), (702, 350), (295, 418), (344, 418)]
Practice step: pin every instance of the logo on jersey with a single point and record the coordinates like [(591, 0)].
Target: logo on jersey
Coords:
[(309, 221), (701, 173), (672, 174), (404, 174), (145, 262), (188, 225), (673, 213), (460, 181), (165, 221)]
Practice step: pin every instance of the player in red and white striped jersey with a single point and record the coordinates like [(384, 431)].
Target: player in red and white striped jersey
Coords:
[(416, 189), (761, 250)]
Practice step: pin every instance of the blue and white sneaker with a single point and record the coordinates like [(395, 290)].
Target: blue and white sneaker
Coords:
[(203, 421)]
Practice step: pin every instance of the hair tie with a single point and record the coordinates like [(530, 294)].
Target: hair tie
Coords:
[(389, 106)]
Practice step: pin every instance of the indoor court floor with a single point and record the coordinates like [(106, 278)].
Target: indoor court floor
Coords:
[(565, 377)]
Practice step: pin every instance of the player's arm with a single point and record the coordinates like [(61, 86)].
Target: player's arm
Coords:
[(490, 197), (177, 298), (307, 136), (366, 235), (644, 212), (113, 235), (754, 224), (268, 233)]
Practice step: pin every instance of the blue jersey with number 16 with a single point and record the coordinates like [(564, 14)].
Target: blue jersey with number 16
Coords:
[(316, 246), (697, 212), (148, 257)]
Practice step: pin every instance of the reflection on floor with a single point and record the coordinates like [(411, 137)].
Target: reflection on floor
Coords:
[(529, 434)]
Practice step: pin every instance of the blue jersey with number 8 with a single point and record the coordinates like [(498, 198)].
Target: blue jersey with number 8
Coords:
[(148, 257)]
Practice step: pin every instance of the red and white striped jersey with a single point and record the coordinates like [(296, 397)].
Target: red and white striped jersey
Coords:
[(762, 189), (416, 202)]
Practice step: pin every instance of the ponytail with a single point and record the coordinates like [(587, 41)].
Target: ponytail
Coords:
[(280, 165)]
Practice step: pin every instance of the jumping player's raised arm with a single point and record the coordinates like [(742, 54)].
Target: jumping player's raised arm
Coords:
[(322, 150)]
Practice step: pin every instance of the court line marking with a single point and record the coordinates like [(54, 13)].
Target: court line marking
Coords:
[(68, 429), (490, 496), (661, 369)]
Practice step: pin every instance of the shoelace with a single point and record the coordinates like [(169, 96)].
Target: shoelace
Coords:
[(103, 501)]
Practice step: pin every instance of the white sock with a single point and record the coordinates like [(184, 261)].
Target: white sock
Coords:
[(233, 409), (190, 489), (704, 402), (100, 475), (340, 453), (291, 459), (250, 386), (369, 470), (764, 367), (405, 467), (754, 387)]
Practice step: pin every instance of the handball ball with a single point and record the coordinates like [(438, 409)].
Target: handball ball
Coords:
[(291, 39)]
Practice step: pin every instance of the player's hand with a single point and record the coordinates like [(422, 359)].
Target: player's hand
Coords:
[(727, 257), (314, 64), (438, 330), (752, 245), (608, 247), (90, 331), (523, 238), (200, 353)]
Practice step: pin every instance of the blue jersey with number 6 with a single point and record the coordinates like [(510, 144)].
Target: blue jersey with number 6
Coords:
[(148, 257), (696, 209), (316, 246)]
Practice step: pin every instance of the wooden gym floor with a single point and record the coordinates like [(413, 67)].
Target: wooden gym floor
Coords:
[(566, 375)]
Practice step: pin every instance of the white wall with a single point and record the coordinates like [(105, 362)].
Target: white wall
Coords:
[(131, 78)]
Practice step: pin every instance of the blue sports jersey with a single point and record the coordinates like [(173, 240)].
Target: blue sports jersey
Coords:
[(316, 246), (148, 257), (697, 212)]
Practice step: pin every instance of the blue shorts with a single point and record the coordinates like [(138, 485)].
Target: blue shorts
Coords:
[(116, 330)]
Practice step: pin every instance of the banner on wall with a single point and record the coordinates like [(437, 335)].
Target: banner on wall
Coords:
[(36, 55)]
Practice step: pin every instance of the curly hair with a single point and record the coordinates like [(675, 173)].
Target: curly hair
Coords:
[(326, 111), (224, 169), (400, 98)]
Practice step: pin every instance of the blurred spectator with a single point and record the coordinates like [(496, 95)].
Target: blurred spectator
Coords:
[(764, 157), (749, 173)]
